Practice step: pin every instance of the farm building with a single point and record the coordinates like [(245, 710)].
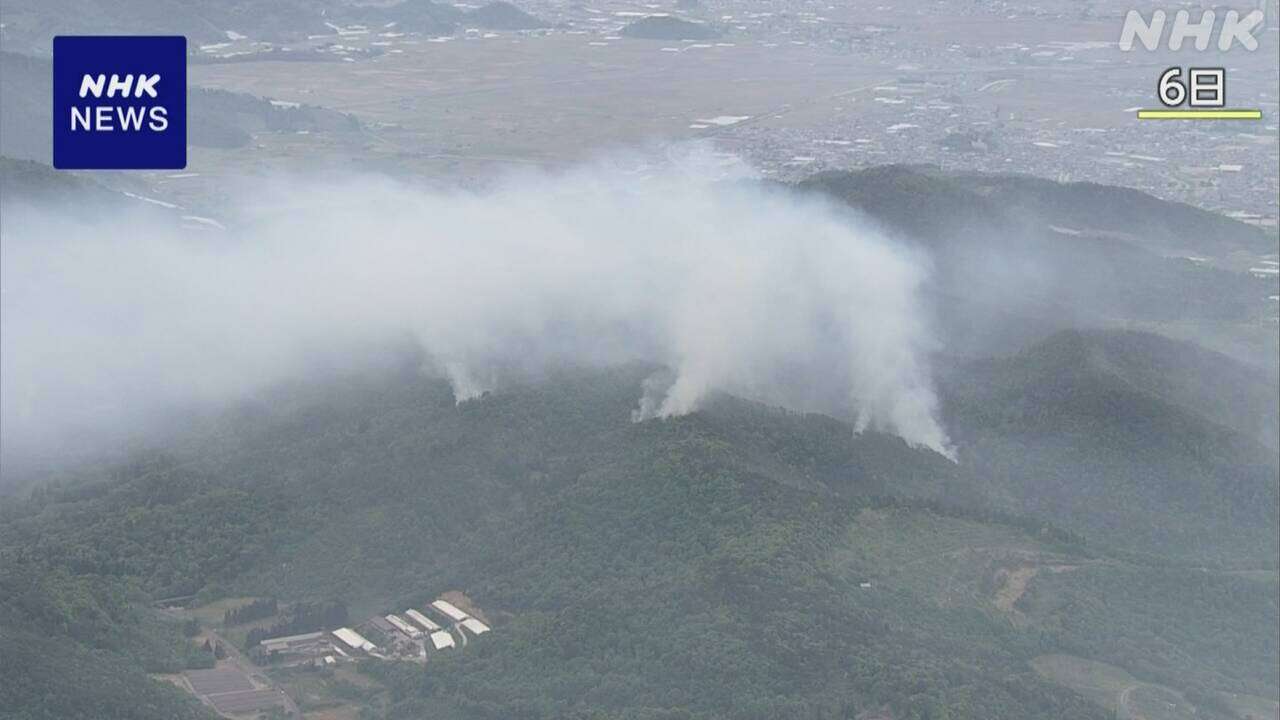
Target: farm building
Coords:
[(382, 625), (295, 644), (475, 626), (404, 627), (354, 640), (426, 622), (449, 610), (306, 645), (442, 639)]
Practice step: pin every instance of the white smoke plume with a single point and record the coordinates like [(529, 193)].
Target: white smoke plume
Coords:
[(730, 286)]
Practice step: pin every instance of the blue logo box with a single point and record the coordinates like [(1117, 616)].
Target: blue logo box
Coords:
[(119, 102)]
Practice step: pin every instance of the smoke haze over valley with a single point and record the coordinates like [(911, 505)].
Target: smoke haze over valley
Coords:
[(111, 316)]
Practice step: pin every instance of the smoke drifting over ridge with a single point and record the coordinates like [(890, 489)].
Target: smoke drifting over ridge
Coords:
[(729, 286)]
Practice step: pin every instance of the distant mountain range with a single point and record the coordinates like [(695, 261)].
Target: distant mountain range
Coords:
[(504, 16), (29, 27), (1018, 258), (666, 27)]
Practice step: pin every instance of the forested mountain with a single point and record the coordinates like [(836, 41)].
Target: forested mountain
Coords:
[(28, 180), (665, 27), (659, 360), (743, 561), (79, 647), (504, 16), (1111, 513), (1017, 259), (1152, 445), (938, 206)]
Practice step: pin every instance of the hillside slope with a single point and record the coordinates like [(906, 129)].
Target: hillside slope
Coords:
[(732, 563), (1016, 259), (1129, 439), (1112, 507)]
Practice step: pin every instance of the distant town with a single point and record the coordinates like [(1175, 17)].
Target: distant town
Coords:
[(895, 85)]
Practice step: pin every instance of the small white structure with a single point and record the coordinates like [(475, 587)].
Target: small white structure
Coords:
[(442, 640), (354, 640), (475, 626), (450, 610), (426, 622), (404, 627)]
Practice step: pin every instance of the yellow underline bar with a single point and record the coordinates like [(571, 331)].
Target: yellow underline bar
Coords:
[(1199, 114)]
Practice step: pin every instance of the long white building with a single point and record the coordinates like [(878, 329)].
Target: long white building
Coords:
[(450, 610), (354, 640), (404, 627), (289, 642), (475, 626), (426, 622)]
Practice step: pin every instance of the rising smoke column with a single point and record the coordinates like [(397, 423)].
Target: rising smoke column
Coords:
[(729, 285)]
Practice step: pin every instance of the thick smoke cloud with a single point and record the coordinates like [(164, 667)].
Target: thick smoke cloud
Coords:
[(729, 286)]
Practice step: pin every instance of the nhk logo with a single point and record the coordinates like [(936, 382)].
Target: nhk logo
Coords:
[(1235, 28), (1202, 89), (119, 102), (127, 119)]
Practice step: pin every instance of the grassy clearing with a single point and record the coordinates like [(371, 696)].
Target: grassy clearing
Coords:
[(1097, 681), (212, 613), (955, 562), (1158, 703), (335, 693), (1251, 705), (1115, 689)]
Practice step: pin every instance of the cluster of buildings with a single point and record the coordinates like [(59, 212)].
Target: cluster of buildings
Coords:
[(410, 635), (1038, 88), (965, 124)]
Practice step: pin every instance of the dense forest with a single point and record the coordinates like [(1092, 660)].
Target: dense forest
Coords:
[(694, 567), (1113, 504)]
